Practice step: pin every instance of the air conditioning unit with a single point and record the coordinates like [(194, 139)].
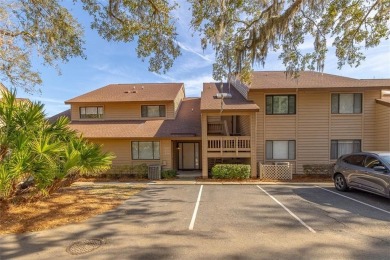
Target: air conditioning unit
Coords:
[(282, 163)]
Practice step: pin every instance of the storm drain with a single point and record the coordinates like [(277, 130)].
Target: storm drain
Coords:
[(84, 246)]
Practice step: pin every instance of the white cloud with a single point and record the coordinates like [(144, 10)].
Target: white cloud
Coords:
[(191, 50)]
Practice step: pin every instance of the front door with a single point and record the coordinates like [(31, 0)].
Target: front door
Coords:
[(188, 156)]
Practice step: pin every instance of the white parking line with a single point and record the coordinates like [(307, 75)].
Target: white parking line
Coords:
[(289, 211), (358, 201), (191, 227)]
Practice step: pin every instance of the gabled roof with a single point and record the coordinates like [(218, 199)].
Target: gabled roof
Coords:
[(66, 113), (237, 102), (186, 124), (130, 92), (310, 79)]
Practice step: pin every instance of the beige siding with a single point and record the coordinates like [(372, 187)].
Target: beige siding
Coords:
[(177, 101), (244, 125), (369, 122), (122, 150), (312, 146), (258, 98), (122, 111), (314, 126), (339, 124), (382, 124), (280, 127)]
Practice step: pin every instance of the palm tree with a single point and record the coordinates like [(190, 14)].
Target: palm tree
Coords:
[(31, 148)]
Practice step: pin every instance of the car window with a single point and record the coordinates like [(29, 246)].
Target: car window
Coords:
[(371, 162), (386, 158), (356, 159)]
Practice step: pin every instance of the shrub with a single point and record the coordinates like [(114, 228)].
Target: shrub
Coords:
[(168, 174), (231, 171), (139, 171)]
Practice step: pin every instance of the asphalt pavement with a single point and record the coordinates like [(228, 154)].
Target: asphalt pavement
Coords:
[(258, 221)]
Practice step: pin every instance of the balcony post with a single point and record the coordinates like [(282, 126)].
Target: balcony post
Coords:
[(205, 164)]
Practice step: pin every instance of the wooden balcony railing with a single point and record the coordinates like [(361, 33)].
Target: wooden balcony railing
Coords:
[(229, 144)]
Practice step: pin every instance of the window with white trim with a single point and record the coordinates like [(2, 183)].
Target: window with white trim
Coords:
[(347, 103), (153, 111), (280, 150), (91, 112), (145, 150), (341, 147)]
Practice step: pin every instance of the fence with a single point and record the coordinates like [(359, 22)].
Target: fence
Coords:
[(276, 172)]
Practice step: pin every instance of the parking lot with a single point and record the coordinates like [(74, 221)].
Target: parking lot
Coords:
[(263, 221)]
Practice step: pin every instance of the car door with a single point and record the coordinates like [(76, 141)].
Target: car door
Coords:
[(352, 169), (376, 176)]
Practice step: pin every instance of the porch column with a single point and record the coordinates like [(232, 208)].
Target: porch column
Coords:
[(253, 118), (205, 165)]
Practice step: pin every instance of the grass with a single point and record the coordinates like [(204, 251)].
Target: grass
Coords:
[(70, 205)]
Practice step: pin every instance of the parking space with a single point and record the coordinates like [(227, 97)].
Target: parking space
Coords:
[(229, 222)]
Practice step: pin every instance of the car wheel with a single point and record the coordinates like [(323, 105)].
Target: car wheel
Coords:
[(340, 183)]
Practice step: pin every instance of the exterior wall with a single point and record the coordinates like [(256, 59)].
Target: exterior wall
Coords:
[(313, 125), (122, 150), (177, 101), (244, 125), (248, 122), (122, 111), (382, 124)]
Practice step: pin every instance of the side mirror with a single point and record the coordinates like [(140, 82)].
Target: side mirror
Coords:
[(380, 168)]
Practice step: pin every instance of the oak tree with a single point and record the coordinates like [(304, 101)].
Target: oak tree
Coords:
[(241, 32)]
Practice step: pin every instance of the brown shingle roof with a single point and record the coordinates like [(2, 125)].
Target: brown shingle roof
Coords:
[(131, 92), (310, 79), (187, 123), (65, 113), (236, 102)]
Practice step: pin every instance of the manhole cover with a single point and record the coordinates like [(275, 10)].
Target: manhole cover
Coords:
[(84, 246)]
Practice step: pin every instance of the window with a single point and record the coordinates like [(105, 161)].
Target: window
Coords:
[(145, 150), (356, 159), (153, 111), (280, 150), (347, 103), (280, 104), (372, 162), (91, 112), (341, 147)]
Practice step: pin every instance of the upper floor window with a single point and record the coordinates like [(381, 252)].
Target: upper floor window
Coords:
[(341, 147), (91, 112), (280, 150), (280, 104), (153, 111), (347, 103)]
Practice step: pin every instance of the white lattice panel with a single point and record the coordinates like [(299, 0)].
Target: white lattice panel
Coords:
[(276, 172)]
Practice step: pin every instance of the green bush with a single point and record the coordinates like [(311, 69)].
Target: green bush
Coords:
[(168, 174), (139, 171), (231, 171)]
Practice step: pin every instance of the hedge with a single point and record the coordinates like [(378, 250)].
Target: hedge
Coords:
[(139, 171), (168, 174), (231, 171)]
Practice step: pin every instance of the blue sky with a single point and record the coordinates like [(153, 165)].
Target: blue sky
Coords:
[(110, 63)]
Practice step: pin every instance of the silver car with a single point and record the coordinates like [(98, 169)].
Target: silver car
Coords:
[(368, 171)]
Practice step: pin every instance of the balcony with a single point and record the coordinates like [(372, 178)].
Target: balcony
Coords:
[(229, 146)]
